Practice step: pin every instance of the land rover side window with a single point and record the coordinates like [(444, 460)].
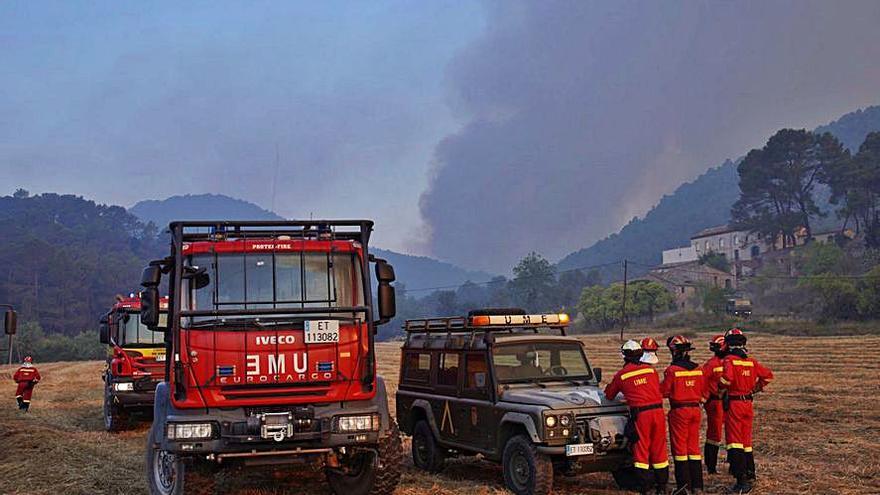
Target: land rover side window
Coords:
[(540, 361), (447, 371), (476, 375), (417, 367)]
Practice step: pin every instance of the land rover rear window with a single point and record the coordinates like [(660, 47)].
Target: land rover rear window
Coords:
[(417, 367)]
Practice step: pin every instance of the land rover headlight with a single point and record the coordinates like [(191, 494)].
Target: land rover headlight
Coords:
[(550, 421), (123, 386), (189, 431), (356, 424), (565, 420)]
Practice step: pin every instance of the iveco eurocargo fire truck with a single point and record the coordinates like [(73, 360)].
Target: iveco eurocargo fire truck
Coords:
[(271, 359)]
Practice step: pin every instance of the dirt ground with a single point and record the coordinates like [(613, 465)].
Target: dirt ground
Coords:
[(818, 431)]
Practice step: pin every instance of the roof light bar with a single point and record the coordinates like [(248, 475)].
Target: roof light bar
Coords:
[(525, 320)]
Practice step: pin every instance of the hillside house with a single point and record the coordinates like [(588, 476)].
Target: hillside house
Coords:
[(687, 280)]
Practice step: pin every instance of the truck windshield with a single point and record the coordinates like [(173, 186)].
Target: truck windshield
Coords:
[(275, 280), (133, 333), (539, 361)]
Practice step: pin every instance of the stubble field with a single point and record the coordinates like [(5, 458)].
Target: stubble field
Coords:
[(818, 431)]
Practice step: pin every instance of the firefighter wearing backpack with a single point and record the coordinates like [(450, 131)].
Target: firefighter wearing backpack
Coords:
[(742, 377), (26, 378), (684, 386), (640, 386), (712, 370)]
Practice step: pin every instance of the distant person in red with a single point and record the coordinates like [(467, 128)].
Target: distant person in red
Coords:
[(712, 370), (742, 377), (26, 377), (640, 386), (684, 386)]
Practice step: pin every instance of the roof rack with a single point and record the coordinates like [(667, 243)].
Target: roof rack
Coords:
[(486, 324), (211, 230)]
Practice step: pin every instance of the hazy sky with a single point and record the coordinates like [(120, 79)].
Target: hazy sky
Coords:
[(474, 132)]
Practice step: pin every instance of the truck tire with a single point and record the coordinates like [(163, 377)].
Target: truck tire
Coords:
[(168, 474), (372, 476), (114, 419), (526, 471), (426, 454)]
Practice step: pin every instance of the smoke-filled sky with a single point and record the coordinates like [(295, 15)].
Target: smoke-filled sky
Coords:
[(474, 132)]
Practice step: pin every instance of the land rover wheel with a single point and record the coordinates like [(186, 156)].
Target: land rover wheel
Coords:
[(526, 471), (426, 453), (368, 473), (168, 474), (114, 420)]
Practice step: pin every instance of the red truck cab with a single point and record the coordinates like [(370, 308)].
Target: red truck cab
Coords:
[(135, 362), (270, 335)]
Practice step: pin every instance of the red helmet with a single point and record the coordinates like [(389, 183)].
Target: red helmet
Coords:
[(649, 345), (28, 359), (717, 343), (735, 338), (679, 343)]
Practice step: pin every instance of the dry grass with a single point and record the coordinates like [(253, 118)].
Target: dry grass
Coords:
[(817, 431)]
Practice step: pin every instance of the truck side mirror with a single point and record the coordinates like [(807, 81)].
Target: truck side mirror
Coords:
[(152, 276), (10, 322), (104, 331), (386, 297), (597, 372), (150, 307)]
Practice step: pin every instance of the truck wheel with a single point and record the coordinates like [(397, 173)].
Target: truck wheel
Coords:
[(114, 420), (426, 454), (526, 471), (168, 474), (369, 475), (627, 478)]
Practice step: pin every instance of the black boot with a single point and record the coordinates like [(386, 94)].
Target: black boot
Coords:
[(737, 460), (646, 481), (26, 406), (696, 472), (710, 453), (750, 466), (20, 403), (661, 478), (682, 474)]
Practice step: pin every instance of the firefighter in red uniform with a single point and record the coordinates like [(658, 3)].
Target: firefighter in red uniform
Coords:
[(26, 377), (684, 386), (640, 386), (712, 370), (742, 377)]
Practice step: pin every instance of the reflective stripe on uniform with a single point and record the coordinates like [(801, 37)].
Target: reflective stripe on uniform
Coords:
[(724, 381), (695, 458), (718, 369), (631, 374), (689, 373), (747, 449), (743, 363), (660, 465), (679, 458), (734, 446), (641, 465), (713, 442)]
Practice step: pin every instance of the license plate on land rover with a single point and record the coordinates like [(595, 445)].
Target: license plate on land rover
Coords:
[(322, 331), (579, 449)]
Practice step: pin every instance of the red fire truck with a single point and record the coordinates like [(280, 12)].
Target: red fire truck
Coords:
[(270, 338), (135, 362)]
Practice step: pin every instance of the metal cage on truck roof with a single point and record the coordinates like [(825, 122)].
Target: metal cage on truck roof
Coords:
[(219, 230)]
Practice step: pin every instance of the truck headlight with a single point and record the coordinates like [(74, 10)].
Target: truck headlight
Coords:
[(123, 386), (355, 424), (189, 431)]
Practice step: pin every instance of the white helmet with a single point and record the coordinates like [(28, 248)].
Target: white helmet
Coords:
[(631, 350)]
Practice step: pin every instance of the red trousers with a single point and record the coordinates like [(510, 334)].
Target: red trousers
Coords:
[(738, 425), (684, 433), (24, 390), (650, 451), (714, 421)]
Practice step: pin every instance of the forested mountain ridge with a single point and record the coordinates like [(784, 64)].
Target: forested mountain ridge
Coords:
[(63, 258), (704, 202)]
